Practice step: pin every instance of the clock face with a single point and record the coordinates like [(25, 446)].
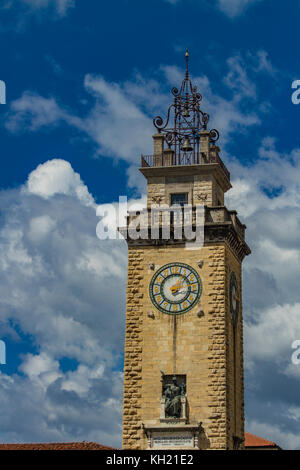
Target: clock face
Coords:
[(175, 288), (234, 298)]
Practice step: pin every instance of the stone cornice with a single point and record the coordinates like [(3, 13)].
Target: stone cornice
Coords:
[(220, 226), (189, 170), (213, 233)]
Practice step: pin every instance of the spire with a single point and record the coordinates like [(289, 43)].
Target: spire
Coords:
[(185, 121), (187, 63)]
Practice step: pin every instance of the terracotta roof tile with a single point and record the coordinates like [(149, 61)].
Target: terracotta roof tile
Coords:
[(56, 446), (250, 441), (254, 441)]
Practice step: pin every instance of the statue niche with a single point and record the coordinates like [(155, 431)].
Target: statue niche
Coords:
[(173, 401)]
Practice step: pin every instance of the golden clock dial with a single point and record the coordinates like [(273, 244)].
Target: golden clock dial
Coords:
[(175, 288)]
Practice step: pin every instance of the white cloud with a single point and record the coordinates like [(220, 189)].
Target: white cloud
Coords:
[(35, 110), (56, 216), (264, 64), (54, 268), (40, 368), (58, 177), (271, 432), (60, 6), (238, 80), (272, 296), (115, 119), (234, 8), (266, 196), (64, 288), (17, 14), (50, 413), (119, 122), (80, 381), (272, 336), (231, 8), (227, 115), (40, 227)]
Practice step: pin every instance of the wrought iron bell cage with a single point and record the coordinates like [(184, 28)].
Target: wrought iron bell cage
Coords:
[(188, 122)]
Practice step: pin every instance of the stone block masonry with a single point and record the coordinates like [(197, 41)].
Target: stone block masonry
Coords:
[(202, 349)]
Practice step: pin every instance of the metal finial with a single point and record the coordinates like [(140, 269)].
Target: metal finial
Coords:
[(185, 121), (187, 61)]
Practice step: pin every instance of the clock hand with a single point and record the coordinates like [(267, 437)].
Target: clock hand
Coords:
[(174, 289), (176, 286)]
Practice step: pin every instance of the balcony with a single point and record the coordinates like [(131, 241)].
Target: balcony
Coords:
[(162, 216), (169, 158)]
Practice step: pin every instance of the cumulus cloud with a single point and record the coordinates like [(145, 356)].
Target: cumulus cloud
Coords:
[(45, 410), (266, 195), (64, 289), (39, 227), (288, 440), (58, 177), (50, 253), (271, 337), (40, 368)]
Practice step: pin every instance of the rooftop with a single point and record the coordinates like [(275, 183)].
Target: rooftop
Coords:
[(57, 446), (251, 442), (255, 441)]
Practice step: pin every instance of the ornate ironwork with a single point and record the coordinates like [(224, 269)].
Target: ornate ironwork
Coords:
[(188, 120)]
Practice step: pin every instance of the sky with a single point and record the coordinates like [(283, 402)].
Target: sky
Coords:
[(83, 83)]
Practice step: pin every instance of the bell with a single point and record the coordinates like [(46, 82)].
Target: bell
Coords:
[(186, 145)]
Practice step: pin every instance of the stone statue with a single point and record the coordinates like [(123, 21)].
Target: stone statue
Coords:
[(172, 394)]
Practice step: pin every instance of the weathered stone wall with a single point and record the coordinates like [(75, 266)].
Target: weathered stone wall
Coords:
[(202, 188), (235, 369), (216, 384), (156, 190), (188, 344), (132, 397)]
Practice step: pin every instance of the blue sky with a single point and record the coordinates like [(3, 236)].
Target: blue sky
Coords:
[(84, 80)]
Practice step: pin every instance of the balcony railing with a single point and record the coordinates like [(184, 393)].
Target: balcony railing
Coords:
[(158, 216), (171, 159)]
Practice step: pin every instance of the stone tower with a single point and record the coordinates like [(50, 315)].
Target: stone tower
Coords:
[(183, 371)]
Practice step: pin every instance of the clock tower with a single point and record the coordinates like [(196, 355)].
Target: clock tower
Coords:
[(183, 370)]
